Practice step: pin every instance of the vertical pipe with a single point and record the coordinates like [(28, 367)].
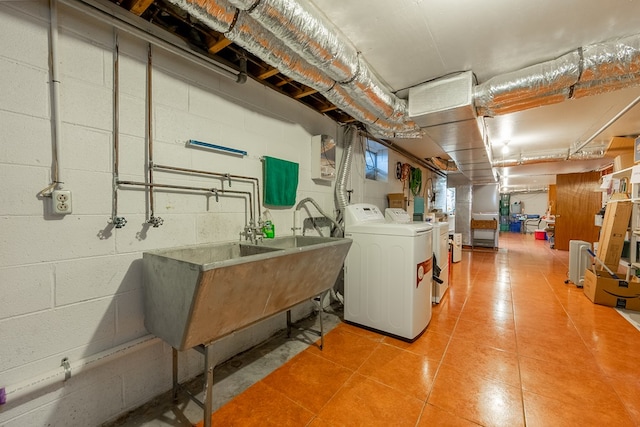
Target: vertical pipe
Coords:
[(116, 124), (55, 94), (150, 134)]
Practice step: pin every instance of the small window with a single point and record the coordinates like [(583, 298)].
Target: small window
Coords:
[(376, 161)]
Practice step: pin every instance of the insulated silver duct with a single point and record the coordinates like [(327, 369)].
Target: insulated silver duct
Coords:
[(293, 37), (342, 196), (240, 28), (530, 159), (306, 32), (591, 70)]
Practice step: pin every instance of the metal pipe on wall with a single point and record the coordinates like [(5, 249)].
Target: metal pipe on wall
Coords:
[(56, 121), (17, 391), (215, 191), (156, 222), (217, 174)]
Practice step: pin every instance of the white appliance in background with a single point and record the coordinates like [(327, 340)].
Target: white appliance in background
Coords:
[(579, 261), (441, 252), (397, 215), (456, 247), (388, 271)]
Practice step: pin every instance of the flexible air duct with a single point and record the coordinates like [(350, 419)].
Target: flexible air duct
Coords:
[(306, 32), (342, 196), (299, 42), (240, 28), (591, 70), (530, 159)]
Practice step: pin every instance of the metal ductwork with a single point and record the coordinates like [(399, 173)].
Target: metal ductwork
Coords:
[(535, 158), (294, 38), (317, 59), (590, 70)]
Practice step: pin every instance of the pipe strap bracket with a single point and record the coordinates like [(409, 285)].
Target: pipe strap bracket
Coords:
[(67, 368)]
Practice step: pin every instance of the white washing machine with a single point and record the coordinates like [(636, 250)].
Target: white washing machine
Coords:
[(441, 252), (387, 273)]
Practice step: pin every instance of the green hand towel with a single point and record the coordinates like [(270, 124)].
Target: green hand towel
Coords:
[(280, 182)]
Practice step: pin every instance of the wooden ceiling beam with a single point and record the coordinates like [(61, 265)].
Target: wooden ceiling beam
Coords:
[(327, 109), (307, 92), (219, 45), (284, 82), (269, 73), (138, 7)]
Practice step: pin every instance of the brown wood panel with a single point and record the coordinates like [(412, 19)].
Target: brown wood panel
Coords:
[(576, 204)]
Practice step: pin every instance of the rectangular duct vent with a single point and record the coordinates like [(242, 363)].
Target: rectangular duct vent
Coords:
[(444, 100)]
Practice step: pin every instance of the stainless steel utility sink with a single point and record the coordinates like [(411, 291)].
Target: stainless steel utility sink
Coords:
[(195, 295)]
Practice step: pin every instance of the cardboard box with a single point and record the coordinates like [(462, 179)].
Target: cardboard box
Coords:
[(623, 161), (601, 289), (396, 200), (614, 229)]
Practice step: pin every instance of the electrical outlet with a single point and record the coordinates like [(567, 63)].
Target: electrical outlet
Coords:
[(61, 202)]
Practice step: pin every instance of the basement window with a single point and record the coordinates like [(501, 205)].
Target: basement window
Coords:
[(376, 161)]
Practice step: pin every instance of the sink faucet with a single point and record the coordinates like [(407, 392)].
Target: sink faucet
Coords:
[(252, 233)]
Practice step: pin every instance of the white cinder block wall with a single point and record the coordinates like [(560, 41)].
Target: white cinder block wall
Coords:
[(70, 286)]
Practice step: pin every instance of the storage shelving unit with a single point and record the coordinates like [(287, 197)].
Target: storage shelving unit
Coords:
[(633, 191), (504, 212)]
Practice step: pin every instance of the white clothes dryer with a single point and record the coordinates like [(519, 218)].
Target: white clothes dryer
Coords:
[(441, 252)]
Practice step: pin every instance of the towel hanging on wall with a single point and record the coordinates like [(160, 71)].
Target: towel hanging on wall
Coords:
[(280, 182)]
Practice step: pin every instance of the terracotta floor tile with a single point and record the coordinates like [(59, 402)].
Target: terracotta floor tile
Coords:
[(260, 405), (345, 348), (347, 327), (443, 322), (435, 417), (475, 398), (365, 402), (497, 337), (401, 370), (309, 380), (628, 388), (544, 412), (568, 383), (570, 354), (489, 304), (483, 361), (430, 344), (489, 318)]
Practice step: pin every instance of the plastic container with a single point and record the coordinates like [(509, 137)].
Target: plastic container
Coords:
[(540, 234), (515, 227), (269, 230)]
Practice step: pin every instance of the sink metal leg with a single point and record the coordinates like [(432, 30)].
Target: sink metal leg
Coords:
[(321, 327), (175, 374), (209, 364)]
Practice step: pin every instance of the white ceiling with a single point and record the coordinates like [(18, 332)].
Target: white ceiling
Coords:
[(409, 42)]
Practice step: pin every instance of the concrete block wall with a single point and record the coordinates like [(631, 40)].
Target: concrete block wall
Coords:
[(70, 286)]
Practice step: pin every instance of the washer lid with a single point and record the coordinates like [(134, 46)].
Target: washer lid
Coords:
[(391, 229)]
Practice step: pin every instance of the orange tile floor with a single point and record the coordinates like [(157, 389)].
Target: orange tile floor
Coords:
[(510, 345)]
